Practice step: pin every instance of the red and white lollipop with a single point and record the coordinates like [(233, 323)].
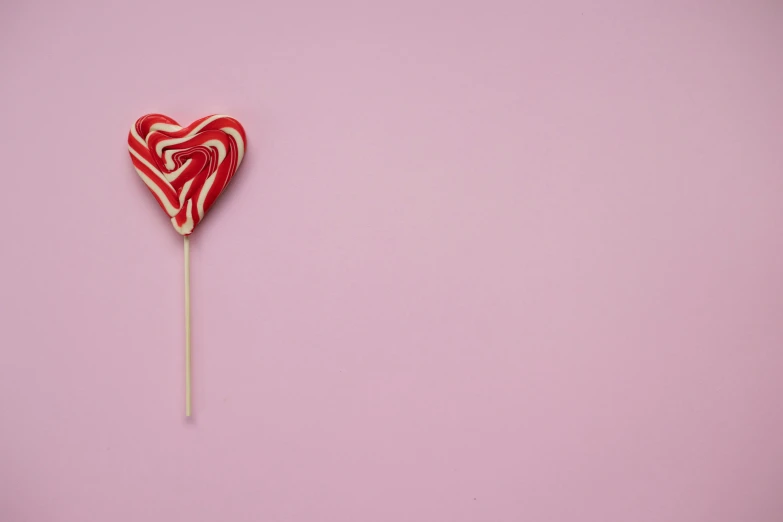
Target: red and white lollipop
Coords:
[(186, 169)]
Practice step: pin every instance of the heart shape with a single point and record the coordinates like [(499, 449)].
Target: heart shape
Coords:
[(186, 168)]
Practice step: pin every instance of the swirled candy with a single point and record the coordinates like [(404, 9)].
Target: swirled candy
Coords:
[(186, 168)]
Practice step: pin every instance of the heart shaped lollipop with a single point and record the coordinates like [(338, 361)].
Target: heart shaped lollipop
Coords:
[(186, 168)]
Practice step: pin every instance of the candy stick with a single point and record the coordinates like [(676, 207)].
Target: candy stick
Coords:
[(187, 326)]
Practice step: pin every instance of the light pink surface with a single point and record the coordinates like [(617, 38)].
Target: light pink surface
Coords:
[(485, 261)]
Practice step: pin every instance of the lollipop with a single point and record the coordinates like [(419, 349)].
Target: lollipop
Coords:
[(186, 169)]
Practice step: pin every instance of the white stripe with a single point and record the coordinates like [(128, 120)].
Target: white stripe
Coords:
[(176, 141), (187, 226), (150, 166), (168, 127), (240, 142), (137, 137), (170, 210), (173, 175), (185, 189), (165, 127), (165, 143), (207, 122), (202, 195)]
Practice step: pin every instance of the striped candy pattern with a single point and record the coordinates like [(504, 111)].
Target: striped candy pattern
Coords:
[(186, 168)]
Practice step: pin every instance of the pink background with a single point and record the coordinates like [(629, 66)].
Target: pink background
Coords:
[(485, 261)]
